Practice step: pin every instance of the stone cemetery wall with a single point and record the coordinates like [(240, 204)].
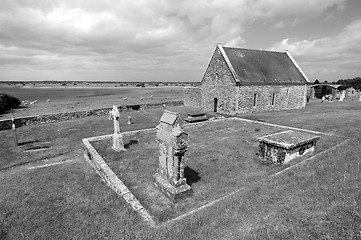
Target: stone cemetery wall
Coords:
[(192, 97), (58, 117)]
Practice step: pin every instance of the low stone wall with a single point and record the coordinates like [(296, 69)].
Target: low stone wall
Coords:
[(58, 117), (192, 97)]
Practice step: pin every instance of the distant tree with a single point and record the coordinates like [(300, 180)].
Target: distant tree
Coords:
[(354, 82), (317, 82), (8, 102), (325, 82)]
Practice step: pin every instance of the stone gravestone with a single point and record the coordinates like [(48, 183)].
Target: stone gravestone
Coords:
[(343, 94), (172, 147), (118, 144), (130, 120)]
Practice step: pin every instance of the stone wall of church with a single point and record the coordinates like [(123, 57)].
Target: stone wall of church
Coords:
[(218, 86), (270, 98), (219, 93), (192, 97)]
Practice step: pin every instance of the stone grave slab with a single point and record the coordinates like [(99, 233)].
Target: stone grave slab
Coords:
[(196, 117), (285, 146)]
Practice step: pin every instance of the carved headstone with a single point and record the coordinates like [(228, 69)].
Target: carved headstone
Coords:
[(172, 148), (118, 144)]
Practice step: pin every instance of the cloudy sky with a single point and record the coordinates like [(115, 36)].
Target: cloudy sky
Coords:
[(172, 40)]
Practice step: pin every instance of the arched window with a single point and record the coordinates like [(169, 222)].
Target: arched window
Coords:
[(273, 99), (217, 75), (254, 99)]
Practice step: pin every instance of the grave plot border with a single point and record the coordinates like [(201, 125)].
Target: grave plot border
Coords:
[(115, 183)]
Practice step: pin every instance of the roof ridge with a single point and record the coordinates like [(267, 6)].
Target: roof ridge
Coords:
[(260, 50), (264, 67)]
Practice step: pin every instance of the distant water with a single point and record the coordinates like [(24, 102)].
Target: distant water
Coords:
[(31, 94)]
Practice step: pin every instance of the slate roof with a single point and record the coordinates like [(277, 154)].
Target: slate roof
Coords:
[(259, 67)]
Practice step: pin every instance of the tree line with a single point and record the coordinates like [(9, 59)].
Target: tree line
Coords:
[(351, 82)]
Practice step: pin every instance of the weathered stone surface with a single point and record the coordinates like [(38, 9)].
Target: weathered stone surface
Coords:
[(192, 96), (172, 192), (218, 83), (118, 144), (169, 177), (284, 146), (285, 98), (219, 92)]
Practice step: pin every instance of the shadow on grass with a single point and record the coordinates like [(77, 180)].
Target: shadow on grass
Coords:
[(37, 148), (131, 142), (28, 142), (191, 175)]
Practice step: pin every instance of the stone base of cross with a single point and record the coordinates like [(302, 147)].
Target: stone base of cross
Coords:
[(118, 144)]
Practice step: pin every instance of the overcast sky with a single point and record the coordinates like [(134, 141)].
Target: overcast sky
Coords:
[(160, 40)]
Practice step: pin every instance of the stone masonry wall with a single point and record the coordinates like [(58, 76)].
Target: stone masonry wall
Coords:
[(218, 83), (192, 97), (286, 98), (31, 120)]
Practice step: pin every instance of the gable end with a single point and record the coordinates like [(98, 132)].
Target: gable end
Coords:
[(216, 66)]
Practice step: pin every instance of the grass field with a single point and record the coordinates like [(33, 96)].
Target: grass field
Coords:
[(319, 199), (221, 159), (76, 99)]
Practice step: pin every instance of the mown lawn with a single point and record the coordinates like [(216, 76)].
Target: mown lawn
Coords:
[(319, 199), (61, 138), (221, 159)]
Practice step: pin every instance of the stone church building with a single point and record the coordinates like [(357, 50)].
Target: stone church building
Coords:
[(244, 80)]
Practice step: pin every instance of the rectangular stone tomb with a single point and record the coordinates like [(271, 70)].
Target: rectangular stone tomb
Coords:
[(284, 146), (196, 117)]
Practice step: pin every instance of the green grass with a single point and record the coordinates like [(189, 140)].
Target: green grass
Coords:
[(221, 159), (62, 138), (317, 200), (214, 168)]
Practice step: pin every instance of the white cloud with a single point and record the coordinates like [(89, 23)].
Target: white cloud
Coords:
[(134, 34), (236, 42), (339, 52)]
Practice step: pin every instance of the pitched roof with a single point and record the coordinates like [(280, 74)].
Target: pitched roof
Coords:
[(259, 67)]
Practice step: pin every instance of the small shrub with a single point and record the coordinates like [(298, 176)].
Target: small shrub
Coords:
[(8, 102)]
